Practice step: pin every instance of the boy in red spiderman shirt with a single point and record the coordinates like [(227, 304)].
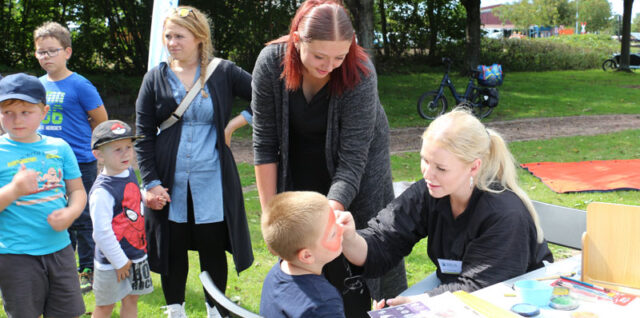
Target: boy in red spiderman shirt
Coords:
[(121, 269)]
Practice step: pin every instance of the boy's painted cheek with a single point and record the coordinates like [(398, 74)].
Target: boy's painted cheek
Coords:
[(332, 243)]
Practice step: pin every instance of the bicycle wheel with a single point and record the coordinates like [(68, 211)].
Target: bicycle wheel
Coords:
[(428, 109), (478, 105), (609, 65)]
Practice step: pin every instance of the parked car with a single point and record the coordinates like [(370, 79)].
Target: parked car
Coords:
[(493, 33)]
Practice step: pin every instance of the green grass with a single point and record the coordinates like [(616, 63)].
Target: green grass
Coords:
[(247, 174), (523, 94)]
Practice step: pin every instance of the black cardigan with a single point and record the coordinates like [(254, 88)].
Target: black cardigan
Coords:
[(495, 237), (157, 157)]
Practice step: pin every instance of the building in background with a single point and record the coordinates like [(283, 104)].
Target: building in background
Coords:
[(492, 26)]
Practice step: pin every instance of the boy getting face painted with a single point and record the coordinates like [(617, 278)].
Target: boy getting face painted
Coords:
[(332, 236), (301, 229)]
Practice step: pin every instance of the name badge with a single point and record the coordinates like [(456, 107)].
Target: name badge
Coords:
[(449, 266)]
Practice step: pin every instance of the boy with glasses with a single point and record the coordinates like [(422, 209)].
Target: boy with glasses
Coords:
[(75, 108)]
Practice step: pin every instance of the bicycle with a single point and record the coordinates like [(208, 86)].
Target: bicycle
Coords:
[(613, 63), (481, 100)]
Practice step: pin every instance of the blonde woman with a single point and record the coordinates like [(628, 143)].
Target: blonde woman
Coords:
[(189, 164), (481, 227)]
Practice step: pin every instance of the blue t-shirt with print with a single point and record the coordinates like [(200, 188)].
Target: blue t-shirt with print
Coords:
[(23, 224), (69, 102), (292, 296)]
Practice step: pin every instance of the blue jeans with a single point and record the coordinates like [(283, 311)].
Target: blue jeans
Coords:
[(81, 231)]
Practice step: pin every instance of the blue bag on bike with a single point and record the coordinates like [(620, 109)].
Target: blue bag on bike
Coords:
[(490, 76)]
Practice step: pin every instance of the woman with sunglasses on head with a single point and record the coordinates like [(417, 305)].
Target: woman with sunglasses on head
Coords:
[(319, 126), (186, 166)]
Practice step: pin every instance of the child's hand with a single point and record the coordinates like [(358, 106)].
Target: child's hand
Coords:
[(153, 201), (25, 181), (61, 219), (123, 272), (157, 197)]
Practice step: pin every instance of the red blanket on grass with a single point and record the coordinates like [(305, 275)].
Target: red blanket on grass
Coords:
[(602, 175)]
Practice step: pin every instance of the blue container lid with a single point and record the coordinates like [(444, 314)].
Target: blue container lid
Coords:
[(526, 310)]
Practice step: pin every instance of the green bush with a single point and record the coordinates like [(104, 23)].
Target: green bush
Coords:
[(543, 54), (574, 52)]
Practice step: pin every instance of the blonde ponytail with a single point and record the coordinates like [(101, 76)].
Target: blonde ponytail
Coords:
[(461, 133), (498, 166)]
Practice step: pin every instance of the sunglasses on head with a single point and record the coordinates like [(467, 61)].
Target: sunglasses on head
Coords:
[(183, 12)]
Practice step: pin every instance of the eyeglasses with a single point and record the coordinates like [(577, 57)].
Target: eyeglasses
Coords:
[(183, 12), (51, 53)]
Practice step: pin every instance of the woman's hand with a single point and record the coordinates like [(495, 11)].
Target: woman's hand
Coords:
[(234, 123), (337, 206), (354, 247), (345, 219), (157, 197), (377, 305), (400, 300)]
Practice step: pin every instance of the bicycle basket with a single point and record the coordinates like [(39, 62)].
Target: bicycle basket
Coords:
[(489, 96), (490, 76)]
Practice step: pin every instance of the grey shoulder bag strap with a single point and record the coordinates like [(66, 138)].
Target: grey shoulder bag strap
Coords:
[(184, 105)]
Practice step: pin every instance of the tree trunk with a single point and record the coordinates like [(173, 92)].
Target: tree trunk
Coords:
[(433, 27), (473, 33), (626, 37), (362, 11), (383, 25)]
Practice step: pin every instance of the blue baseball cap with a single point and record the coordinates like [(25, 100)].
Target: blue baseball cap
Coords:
[(23, 87)]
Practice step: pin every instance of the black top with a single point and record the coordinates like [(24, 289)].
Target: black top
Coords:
[(494, 237), (308, 132)]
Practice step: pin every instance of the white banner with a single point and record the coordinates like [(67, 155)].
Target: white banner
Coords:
[(157, 51)]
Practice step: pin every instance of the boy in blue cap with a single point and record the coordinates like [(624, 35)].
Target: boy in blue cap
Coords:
[(41, 195)]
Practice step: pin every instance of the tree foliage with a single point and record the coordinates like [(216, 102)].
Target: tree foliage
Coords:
[(419, 27), (105, 34), (525, 13), (596, 13), (113, 35), (240, 28)]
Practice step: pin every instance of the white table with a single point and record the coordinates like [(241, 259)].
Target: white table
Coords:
[(501, 294)]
